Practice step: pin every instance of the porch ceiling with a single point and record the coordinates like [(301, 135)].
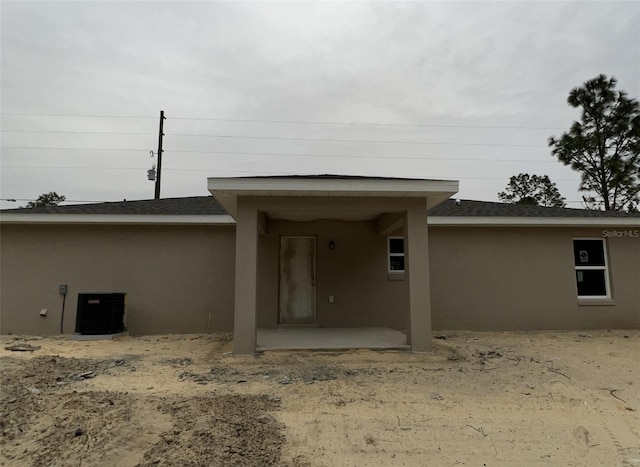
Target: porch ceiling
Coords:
[(227, 191), (305, 216)]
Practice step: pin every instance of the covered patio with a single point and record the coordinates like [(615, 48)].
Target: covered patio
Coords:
[(279, 223)]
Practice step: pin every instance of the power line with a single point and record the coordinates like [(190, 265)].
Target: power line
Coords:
[(415, 125), (78, 132), (355, 140), (12, 200), (435, 177), (19, 114), (181, 169), (334, 156), (71, 167), (73, 149), (293, 122), (437, 158), (280, 138)]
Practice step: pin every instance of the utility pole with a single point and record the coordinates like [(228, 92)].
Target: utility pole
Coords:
[(160, 135)]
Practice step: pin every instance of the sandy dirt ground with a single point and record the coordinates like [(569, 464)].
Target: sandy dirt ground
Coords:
[(480, 399)]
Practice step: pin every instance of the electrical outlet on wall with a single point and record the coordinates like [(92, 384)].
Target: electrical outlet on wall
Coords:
[(331, 300), (43, 312)]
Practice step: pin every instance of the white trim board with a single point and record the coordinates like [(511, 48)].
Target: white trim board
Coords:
[(225, 219), (497, 221), (148, 219), (274, 186)]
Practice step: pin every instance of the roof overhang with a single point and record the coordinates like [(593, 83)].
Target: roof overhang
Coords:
[(118, 219), (503, 221), (227, 190), (225, 219)]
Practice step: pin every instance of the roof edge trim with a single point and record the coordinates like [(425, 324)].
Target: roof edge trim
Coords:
[(123, 219), (497, 221), (226, 219)]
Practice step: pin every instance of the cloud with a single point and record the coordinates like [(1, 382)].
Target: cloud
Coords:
[(433, 63)]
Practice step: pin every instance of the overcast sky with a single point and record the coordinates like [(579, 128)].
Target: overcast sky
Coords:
[(444, 90)]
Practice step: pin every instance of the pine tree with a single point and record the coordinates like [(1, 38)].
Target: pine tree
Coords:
[(604, 146)]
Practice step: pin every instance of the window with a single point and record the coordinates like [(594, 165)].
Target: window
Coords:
[(590, 260), (396, 254)]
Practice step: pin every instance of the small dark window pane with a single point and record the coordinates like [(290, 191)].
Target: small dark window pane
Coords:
[(591, 282), (396, 263), (396, 245), (588, 252)]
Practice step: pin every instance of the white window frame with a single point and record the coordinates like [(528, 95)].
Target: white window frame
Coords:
[(604, 268), (395, 255)]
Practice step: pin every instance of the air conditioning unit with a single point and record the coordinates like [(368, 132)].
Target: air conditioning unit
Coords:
[(101, 313)]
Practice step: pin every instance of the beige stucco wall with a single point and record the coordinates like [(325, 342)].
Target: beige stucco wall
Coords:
[(523, 278), (174, 276), (355, 273), (481, 278)]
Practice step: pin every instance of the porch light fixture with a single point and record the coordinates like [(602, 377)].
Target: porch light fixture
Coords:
[(332, 245)]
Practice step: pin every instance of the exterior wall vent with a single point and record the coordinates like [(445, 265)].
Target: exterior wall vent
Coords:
[(101, 313)]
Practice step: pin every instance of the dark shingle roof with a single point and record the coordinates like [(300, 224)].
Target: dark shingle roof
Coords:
[(469, 208), (203, 205), (193, 205)]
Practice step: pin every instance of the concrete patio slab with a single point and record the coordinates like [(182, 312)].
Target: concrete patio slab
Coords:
[(97, 337), (331, 338)]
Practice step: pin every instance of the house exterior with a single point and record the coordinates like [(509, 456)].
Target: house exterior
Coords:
[(322, 251)]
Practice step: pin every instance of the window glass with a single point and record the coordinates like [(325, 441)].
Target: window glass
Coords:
[(396, 263), (591, 282), (591, 268), (396, 245), (588, 253)]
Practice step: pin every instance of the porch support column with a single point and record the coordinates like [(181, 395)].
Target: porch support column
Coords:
[(244, 317), (417, 273)]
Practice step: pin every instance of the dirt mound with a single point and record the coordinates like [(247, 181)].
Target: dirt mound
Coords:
[(48, 372), (81, 430), (300, 373), (222, 430), (44, 422), (25, 382)]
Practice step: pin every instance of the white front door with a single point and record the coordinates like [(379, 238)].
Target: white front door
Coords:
[(297, 280)]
